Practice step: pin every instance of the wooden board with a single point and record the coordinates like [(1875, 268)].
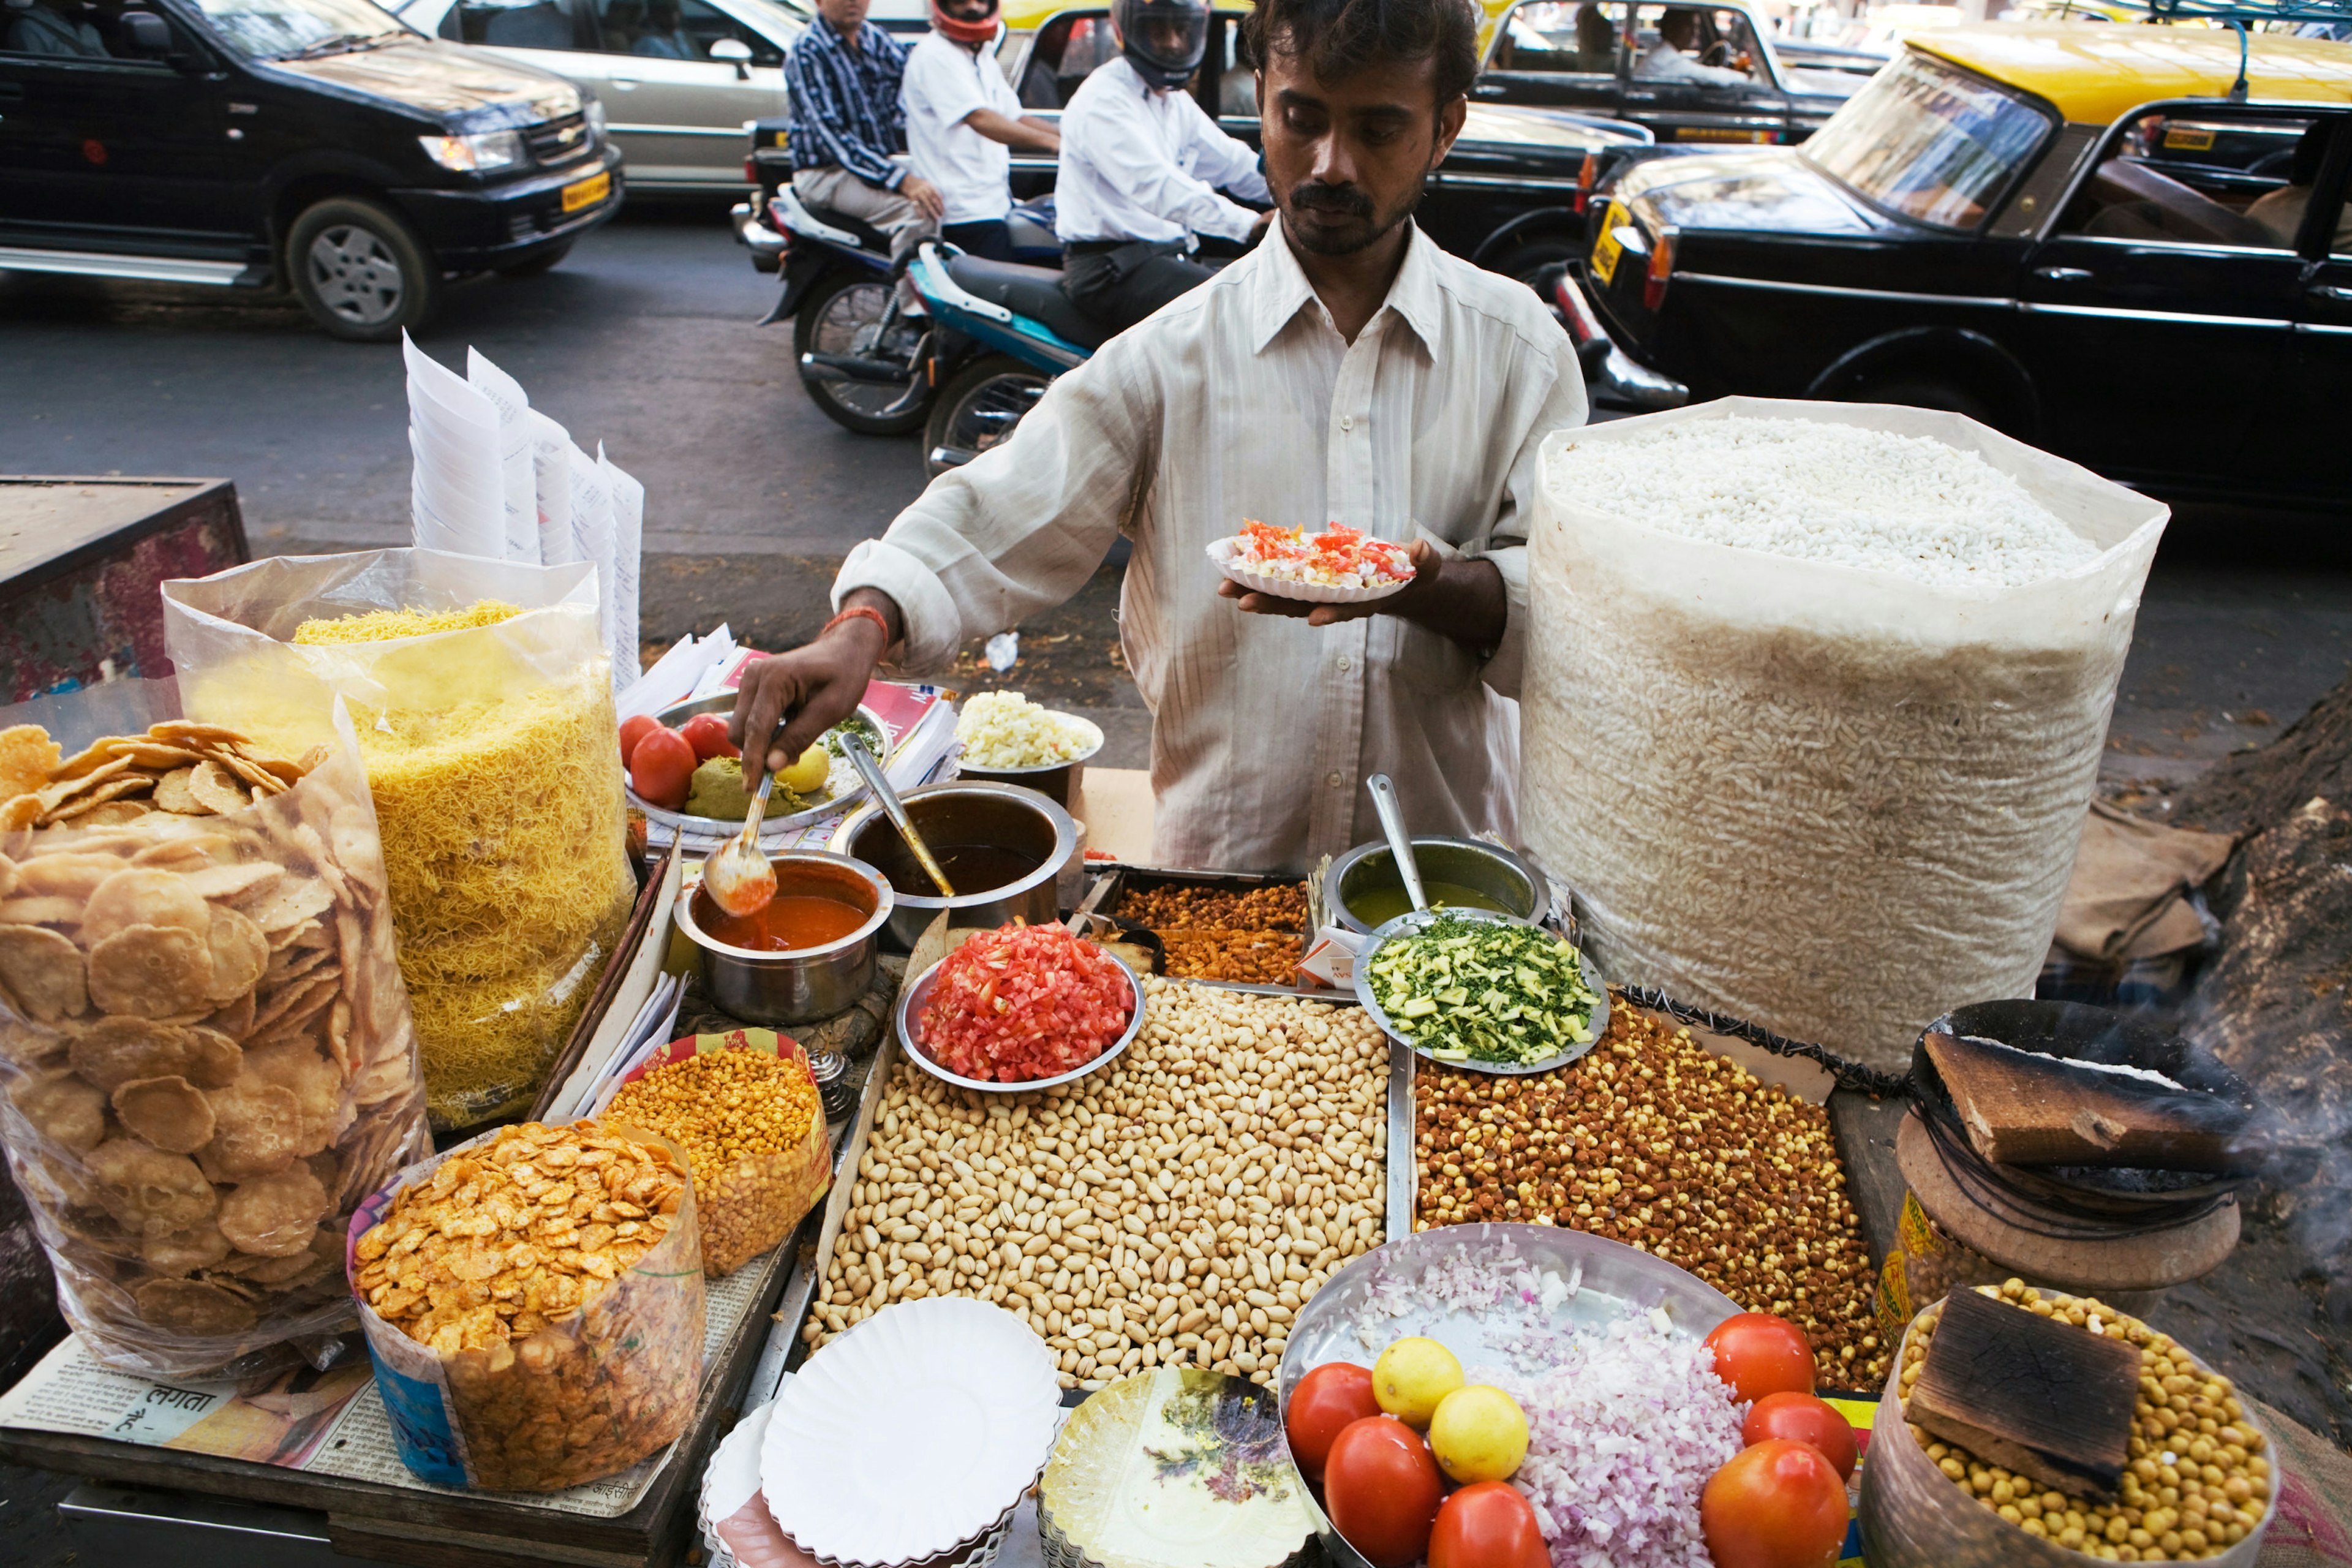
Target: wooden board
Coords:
[(1117, 807), (2034, 1395)]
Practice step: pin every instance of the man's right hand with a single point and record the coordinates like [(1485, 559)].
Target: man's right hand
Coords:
[(810, 689), (924, 194)]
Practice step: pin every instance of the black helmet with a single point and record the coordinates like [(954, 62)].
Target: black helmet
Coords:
[(1163, 39)]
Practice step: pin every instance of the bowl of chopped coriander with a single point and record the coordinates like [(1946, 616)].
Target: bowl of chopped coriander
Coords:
[(1487, 992)]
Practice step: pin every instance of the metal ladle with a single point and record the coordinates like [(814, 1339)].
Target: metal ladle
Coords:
[(737, 874), (1385, 801), (854, 748)]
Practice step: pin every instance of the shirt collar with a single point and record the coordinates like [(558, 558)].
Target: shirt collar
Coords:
[(1283, 290), (831, 36)]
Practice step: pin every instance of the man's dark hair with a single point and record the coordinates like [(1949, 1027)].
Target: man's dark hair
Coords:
[(1336, 39)]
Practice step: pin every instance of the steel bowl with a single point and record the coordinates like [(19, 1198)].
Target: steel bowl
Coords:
[(843, 789), (915, 996), (801, 986), (1602, 1279), (1596, 1019), (1058, 781), (955, 814), (1470, 862)]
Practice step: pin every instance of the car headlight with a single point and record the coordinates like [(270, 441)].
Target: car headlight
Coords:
[(594, 110), (478, 153)]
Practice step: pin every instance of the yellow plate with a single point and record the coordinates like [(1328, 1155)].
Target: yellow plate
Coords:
[(1605, 250), (587, 192)]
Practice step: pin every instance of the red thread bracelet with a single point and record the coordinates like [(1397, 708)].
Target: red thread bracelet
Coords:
[(854, 613)]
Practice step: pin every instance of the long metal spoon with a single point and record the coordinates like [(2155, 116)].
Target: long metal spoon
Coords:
[(737, 875), (1385, 801), (871, 771)]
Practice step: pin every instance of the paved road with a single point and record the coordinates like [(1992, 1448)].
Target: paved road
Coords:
[(643, 339)]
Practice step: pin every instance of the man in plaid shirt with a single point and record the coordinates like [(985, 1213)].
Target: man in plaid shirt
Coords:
[(841, 81)]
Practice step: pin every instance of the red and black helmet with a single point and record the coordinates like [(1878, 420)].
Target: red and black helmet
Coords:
[(964, 30)]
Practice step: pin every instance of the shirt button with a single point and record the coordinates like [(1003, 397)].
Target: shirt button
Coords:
[(1347, 422), (1333, 781), (1346, 663)]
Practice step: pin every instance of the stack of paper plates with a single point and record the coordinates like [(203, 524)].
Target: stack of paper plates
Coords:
[(911, 1435)]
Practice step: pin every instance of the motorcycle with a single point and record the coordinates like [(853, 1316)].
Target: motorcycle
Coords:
[(1001, 332), (858, 355)]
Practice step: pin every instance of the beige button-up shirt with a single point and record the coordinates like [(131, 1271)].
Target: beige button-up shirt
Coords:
[(1240, 400)]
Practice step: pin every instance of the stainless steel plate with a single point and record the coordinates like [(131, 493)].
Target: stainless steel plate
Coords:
[(1609, 1278), (917, 992), (843, 788), (1408, 923)]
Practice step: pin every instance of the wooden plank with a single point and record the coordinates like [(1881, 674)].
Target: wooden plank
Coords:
[(1863, 1130), (2038, 1395)]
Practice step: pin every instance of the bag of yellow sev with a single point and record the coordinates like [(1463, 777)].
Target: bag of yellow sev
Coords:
[(483, 699)]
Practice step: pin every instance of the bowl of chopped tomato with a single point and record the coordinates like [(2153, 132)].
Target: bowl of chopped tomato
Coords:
[(1342, 565), (1020, 1007)]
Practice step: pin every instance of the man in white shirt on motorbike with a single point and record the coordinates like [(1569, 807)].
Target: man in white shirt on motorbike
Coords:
[(964, 120), (1141, 168)]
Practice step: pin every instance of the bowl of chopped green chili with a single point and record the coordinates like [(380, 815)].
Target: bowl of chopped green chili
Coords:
[(1483, 991)]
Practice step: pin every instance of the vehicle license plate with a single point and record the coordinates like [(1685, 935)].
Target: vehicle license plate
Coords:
[(587, 192), (1606, 249)]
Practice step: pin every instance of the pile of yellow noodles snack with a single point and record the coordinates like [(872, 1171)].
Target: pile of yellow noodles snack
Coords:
[(497, 790)]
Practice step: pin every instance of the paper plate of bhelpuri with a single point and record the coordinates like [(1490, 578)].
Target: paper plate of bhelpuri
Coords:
[(1342, 565)]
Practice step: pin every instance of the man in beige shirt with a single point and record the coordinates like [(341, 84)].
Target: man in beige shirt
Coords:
[(1344, 369)]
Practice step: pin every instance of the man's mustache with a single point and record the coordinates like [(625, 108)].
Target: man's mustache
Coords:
[(1316, 195)]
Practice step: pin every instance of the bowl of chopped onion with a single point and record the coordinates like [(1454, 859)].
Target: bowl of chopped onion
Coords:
[(1019, 1008)]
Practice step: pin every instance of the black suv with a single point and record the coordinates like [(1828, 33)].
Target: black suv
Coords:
[(320, 145)]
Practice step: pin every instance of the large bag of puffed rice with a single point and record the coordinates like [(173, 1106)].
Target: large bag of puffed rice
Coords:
[(1814, 704)]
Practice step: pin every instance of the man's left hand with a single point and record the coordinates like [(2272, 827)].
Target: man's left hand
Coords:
[(1427, 564)]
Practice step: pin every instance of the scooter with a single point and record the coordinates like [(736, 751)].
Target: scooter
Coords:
[(858, 354), (1001, 332)]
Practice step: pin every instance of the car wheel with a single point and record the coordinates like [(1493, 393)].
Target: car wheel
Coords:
[(979, 409), (545, 262), (362, 272), (1525, 262), (842, 315), (1930, 390)]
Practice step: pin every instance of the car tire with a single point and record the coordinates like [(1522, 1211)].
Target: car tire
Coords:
[(545, 262), (1524, 262), (979, 409), (361, 270), (1949, 394), (829, 321)]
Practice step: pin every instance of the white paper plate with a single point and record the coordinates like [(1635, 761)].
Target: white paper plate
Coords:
[(910, 1433), (1221, 555)]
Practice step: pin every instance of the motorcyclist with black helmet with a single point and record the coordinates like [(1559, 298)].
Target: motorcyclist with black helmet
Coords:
[(1141, 168)]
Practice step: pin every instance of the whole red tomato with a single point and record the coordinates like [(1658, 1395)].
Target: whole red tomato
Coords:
[(1326, 1400), (707, 733), (1758, 1353), (661, 768), (634, 728), (1807, 1420), (1380, 1489), (1487, 1524), (1777, 1505)]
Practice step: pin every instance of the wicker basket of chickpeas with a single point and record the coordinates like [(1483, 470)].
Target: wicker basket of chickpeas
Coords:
[(2198, 1485), (746, 1111)]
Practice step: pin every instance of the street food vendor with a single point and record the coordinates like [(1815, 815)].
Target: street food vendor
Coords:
[(1346, 369)]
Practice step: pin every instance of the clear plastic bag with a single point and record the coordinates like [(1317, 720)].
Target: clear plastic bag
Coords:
[(572, 1396), (1831, 801), (497, 781), (192, 1141)]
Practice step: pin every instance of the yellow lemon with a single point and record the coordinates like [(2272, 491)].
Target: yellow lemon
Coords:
[(1412, 1376), (809, 772), (1478, 1433)]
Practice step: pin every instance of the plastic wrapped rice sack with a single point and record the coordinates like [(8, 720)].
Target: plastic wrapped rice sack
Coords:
[(485, 712), (1815, 701)]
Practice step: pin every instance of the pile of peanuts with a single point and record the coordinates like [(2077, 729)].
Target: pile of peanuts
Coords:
[(1652, 1142), (743, 1118), (2197, 1483), (1178, 1207)]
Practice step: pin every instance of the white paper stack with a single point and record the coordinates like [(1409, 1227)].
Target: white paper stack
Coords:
[(496, 478)]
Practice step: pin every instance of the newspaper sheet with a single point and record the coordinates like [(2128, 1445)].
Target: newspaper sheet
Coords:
[(321, 1423)]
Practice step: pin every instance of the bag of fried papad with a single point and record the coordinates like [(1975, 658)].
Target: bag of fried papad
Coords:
[(206, 1060), (534, 1303), (483, 699)]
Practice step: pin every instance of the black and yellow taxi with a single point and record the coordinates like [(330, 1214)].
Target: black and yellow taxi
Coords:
[(2100, 238)]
